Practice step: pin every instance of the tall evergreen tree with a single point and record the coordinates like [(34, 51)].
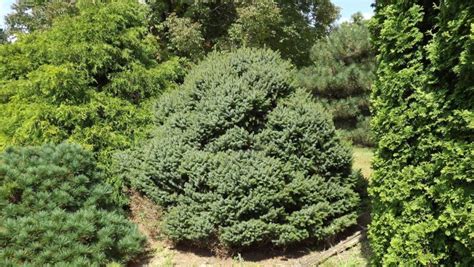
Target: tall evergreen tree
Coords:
[(422, 188), (340, 76)]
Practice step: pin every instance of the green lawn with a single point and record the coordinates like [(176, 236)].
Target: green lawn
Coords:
[(363, 159)]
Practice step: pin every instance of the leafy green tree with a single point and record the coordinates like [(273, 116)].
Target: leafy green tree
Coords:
[(191, 28), (183, 37), (89, 79), (304, 22), (290, 27), (32, 15), (255, 24), (210, 18), (341, 74), (422, 188), (55, 210), (240, 158)]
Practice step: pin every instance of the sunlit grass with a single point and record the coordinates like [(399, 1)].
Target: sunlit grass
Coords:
[(363, 160)]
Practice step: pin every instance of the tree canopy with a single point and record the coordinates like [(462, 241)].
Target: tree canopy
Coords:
[(193, 28), (32, 15)]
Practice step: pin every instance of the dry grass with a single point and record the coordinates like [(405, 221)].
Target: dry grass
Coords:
[(356, 256), (146, 215)]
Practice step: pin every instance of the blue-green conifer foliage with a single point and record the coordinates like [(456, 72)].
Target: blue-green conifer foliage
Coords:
[(242, 158)]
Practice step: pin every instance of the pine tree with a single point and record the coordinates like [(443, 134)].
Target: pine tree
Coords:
[(55, 210), (340, 76)]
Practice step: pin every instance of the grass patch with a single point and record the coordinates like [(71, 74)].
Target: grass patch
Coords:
[(363, 160)]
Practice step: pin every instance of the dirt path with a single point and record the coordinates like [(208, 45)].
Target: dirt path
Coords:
[(169, 256)]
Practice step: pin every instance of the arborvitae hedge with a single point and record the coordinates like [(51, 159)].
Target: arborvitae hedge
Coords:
[(241, 158), (340, 77), (55, 209), (422, 187)]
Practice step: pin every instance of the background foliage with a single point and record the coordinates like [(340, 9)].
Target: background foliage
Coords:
[(422, 186), (3, 36), (55, 209), (89, 79), (340, 76), (240, 158), (192, 28), (33, 15), (290, 27)]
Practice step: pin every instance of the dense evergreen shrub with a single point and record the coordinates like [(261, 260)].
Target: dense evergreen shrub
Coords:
[(90, 79), (55, 209), (340, 76), (422, 187), (241, 158)]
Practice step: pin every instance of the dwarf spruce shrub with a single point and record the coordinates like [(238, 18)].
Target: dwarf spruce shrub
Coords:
[(422, 187), (54, 210), (242, 158)]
